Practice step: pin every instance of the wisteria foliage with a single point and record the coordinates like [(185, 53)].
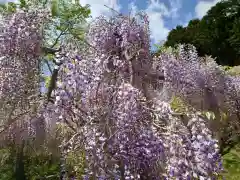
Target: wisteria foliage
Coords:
[(116, 99)]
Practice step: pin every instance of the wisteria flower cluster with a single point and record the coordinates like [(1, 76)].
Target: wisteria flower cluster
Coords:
[(111, 95), (20, 51), (118, 115), (204, 85)]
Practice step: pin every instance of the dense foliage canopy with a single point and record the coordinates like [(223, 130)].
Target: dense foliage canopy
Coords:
[(216, 34)]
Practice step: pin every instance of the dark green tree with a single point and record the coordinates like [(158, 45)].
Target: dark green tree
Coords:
[(216, 34), (177, 36)]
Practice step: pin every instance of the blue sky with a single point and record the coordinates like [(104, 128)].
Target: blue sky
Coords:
[(164, 15)]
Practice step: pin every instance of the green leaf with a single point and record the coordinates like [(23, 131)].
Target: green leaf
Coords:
[(55, 8), (11, 7), (178, 105), (23, 4), (47, 80), (50, 57), (3, 6), (210, 115), (224, 116)]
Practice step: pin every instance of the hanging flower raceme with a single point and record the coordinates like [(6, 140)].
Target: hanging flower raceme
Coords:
[(204, 85), (190, 148), (116, 120), (134, 142), (120, 32), (207, 159), (20, 50)]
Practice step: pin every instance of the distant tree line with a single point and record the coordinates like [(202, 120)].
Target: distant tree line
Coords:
[(216, 34)]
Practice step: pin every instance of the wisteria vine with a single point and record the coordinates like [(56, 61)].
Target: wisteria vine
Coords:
[(116, 98)]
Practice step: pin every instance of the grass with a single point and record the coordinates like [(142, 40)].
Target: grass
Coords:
[(231, 163)]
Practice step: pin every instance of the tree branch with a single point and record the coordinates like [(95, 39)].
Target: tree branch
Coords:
[(49, 67), (5, 127), (52, 84), (50, 50)]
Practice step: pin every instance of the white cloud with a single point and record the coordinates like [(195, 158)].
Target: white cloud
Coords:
[(156, 23), (97, 7), (156, 11), (175, 5), (132, 8), (202, 7)]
